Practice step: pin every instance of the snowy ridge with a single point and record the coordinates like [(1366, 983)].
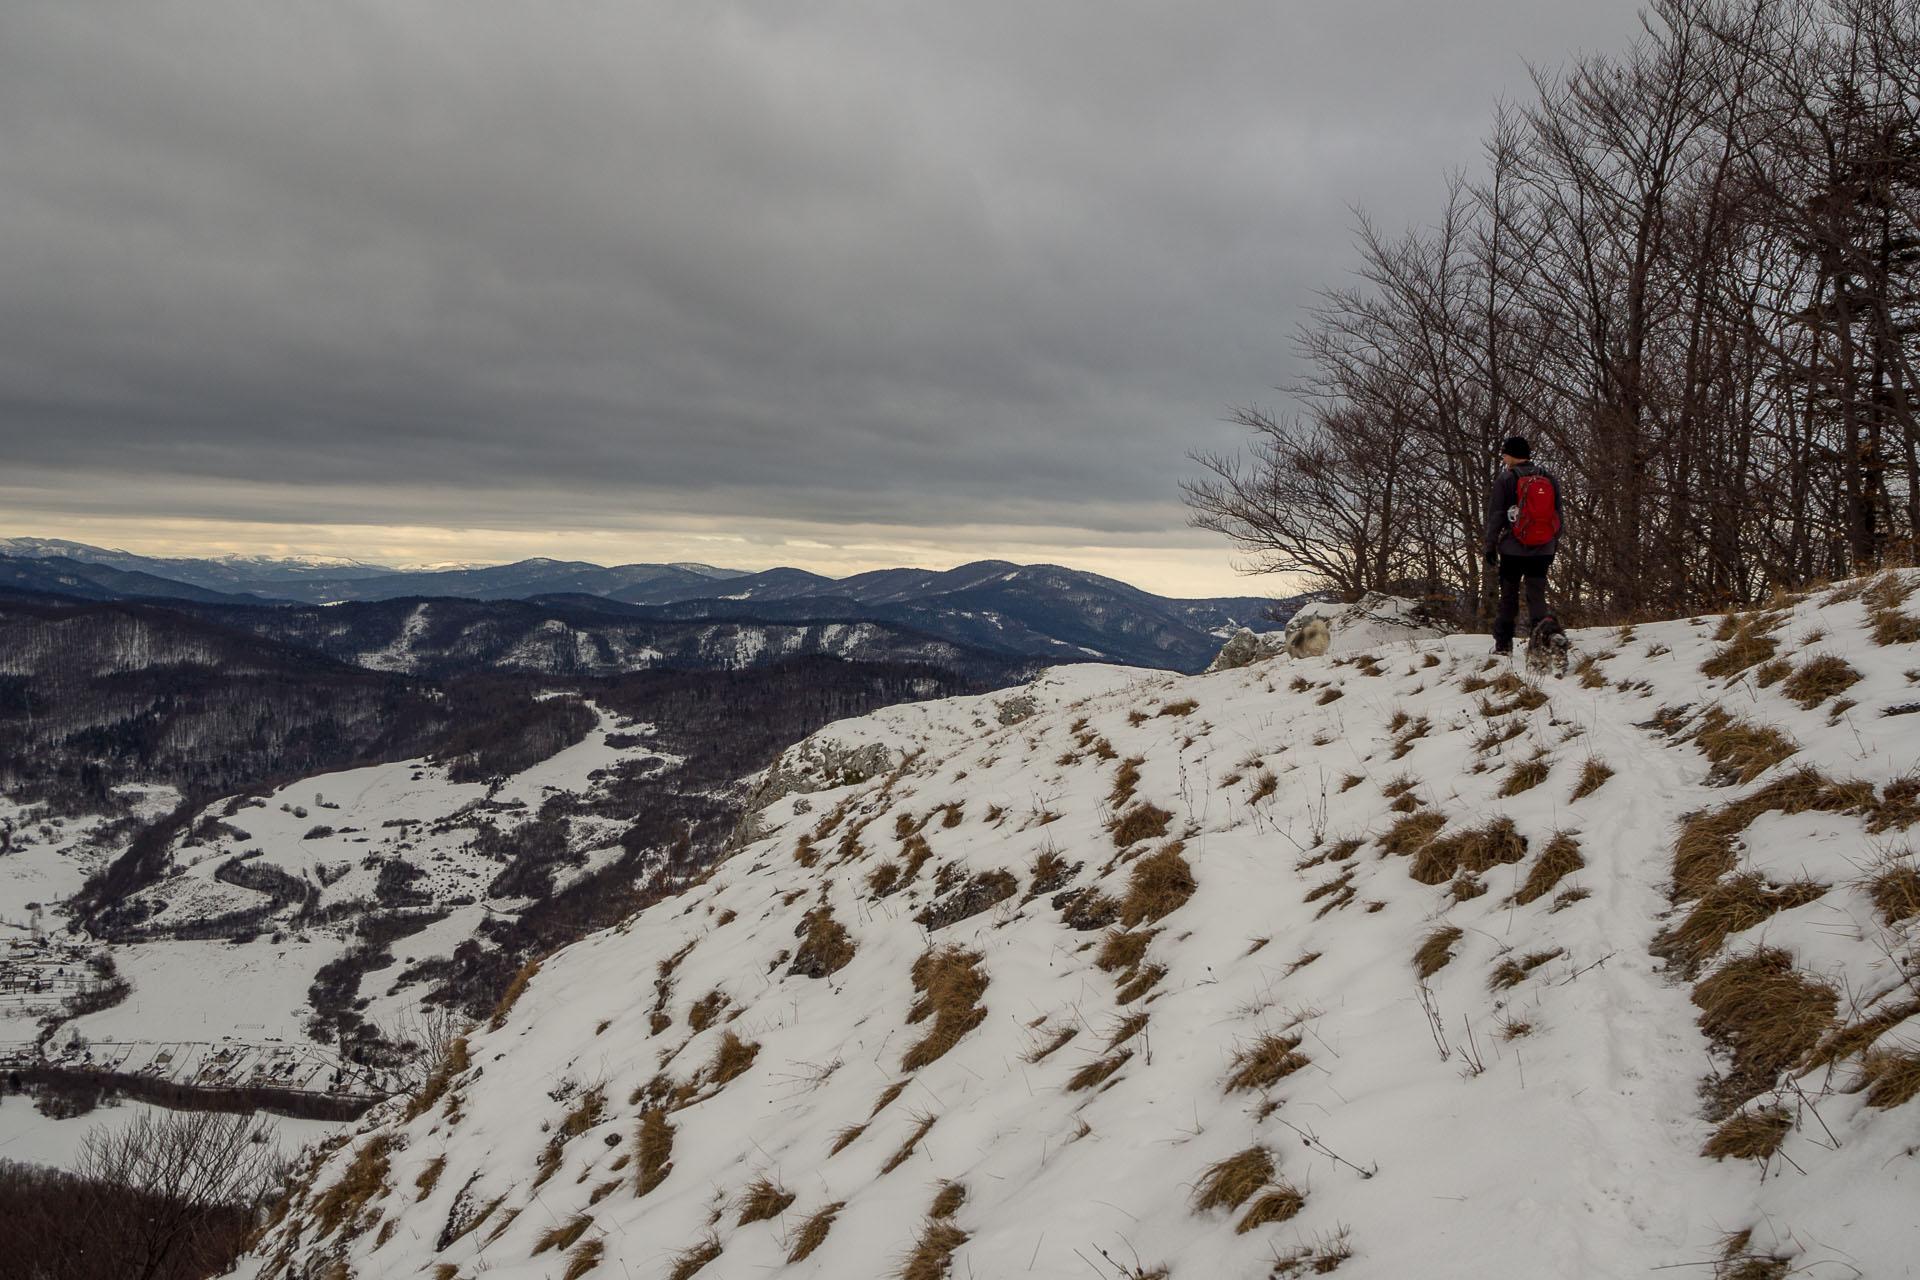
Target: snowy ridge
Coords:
[(1346, 963)]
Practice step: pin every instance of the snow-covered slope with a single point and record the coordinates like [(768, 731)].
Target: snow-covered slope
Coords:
[(1388, 962)]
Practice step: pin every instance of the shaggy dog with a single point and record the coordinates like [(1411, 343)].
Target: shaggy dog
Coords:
[(1311, 640)]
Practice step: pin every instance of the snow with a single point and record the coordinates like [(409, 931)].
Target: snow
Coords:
[(1455, 1127), (398, 653)]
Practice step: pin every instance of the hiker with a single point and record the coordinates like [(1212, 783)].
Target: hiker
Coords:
[(1523, 532)]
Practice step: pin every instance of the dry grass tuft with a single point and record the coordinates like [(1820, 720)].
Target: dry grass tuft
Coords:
[(705, 1010), (584, 1258), (1592, 777), (1266, 1060), (933, 1253), (429, 1178), (1411, 833), (452, 1063), (1725, 908), (364, 1180), (1893, 1076), (1766, 1016), (845, 1137), (1745, 647), (655, 1152), (1125, 778), (1162, 882), (687, 1263), (812, 1233), (1772, 673), (1275, 1205), (1526, 776), (1476, 850), (1821, 678), (1122, 949), (1144, 980), (824, 946), (511, 996), (907, 1148), (1704, 850), (1097, 1071), (1750, 1135), (563, 1236), (887, 1096), (762, 1200), (1145, 821), (1741, 747), (950, 982), (1436, 951), (1560, 859), (1232, 1182), (1511, 973), (1861, 1035), (1053, 1045), (1126, 1029), (1895, 891), (732, 1058), (948, 1200)]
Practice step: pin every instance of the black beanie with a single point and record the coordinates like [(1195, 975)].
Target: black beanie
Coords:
[(1517, 447)]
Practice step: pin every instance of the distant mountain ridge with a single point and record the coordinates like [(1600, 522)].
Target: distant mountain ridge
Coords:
[(1027, 611)]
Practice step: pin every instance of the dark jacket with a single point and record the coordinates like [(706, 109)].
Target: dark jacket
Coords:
[(1506, 493)]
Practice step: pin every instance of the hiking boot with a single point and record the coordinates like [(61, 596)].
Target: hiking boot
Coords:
[(1503, 648)]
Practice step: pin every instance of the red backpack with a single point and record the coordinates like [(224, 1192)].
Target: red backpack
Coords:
[(1535, 522)]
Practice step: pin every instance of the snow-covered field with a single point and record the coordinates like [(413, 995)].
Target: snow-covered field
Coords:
[(1338, 964), (227, 1013)]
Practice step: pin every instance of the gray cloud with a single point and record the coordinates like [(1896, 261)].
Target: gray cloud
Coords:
[(805, 259)]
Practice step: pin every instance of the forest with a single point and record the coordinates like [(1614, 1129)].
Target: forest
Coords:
[(1689, 273)]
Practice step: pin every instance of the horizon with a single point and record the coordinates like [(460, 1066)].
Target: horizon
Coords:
[(1160, 581)]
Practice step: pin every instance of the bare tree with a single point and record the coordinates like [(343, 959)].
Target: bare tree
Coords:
[(187, 1171)]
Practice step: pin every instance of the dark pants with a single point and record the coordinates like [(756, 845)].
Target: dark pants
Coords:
[(1513, 571)]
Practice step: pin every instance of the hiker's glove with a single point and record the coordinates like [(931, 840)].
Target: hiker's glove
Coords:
[(1492, 558)]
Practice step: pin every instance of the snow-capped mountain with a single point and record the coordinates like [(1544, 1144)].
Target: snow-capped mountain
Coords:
[(1394, 962), (1015, 611)]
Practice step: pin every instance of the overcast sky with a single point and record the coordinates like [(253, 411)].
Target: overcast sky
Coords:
[(840, 285)]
